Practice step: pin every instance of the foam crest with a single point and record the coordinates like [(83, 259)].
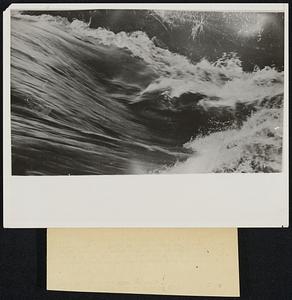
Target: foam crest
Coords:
[(256, 147)]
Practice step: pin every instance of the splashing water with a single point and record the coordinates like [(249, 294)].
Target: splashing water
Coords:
[(256, 147), (91, 101)]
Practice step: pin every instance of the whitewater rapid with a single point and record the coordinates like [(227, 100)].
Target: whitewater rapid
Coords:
[(91, 101)]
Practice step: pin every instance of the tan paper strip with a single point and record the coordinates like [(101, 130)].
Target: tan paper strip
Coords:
[(144, 261)]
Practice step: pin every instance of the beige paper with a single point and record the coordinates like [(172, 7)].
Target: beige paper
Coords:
[(144, 261)]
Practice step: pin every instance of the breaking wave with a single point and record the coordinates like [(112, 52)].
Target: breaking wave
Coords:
[(91, 101)]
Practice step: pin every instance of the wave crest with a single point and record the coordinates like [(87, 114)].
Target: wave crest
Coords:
[(116, 88)]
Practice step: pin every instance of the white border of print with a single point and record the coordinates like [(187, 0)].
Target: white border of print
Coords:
[(191, 200)]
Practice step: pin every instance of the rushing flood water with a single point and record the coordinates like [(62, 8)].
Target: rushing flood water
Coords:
[(91, 101)]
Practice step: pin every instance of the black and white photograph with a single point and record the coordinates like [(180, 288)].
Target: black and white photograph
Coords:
[(146, 91), (145, 115)]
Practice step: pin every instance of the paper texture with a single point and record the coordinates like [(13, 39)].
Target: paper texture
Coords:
[(75, 106), (144, 261)]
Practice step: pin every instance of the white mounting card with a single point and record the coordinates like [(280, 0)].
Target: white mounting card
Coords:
[(145, 115)]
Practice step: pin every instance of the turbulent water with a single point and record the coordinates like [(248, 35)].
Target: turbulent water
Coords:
[(91, 101)]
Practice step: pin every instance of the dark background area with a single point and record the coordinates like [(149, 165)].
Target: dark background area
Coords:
[(265, 267), (265, 257)]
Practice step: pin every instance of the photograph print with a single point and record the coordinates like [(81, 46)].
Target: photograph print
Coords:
[(112, 92)]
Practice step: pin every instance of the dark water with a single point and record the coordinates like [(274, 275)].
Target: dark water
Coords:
[(90, 101)]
